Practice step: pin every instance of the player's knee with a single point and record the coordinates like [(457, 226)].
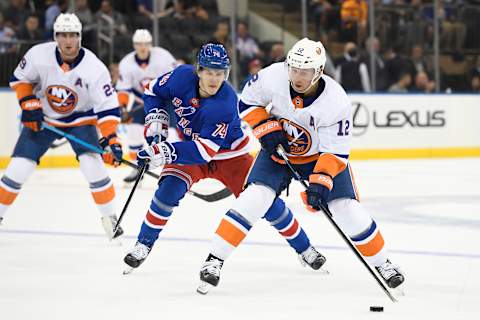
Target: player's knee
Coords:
[(19, 169), (171, 190), (92, 167), (254, 202), (350, 215)]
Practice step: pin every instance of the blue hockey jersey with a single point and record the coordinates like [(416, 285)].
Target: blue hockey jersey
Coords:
[(211, 127)]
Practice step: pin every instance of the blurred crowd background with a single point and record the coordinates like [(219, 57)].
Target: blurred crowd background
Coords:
[(401, 46)]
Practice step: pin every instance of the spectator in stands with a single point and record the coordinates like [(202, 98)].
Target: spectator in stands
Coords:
[(352, 73), (417, 62), (276, 54), (15, 14), (395, 65), (221, 34), (6, 35), (246, 45), (52, 12), (475, 77), (423, 84), (30, 32), (373, 49), (254, 66), (106, 18), (354, 15), (401, 86), (85, 15), (320, 9), (109, 20)]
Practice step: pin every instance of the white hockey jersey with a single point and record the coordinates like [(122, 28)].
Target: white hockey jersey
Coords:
[(134, 76), (77, 95), (322, 127)]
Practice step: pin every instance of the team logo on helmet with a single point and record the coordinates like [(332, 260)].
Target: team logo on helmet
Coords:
[(61, 99), (298, 137)]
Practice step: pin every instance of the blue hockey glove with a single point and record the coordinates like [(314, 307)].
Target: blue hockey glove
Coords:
[(270, 134), (319, 189), (157, 155)]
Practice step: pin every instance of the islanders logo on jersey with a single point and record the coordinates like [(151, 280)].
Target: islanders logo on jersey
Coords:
[(298, 137), (61, 98)]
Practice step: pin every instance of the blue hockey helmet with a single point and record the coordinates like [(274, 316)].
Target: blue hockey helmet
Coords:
[(213, 55)]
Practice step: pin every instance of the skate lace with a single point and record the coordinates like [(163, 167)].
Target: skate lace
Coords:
[(212, 267), (310, 255), (140, 251), (387, 270)]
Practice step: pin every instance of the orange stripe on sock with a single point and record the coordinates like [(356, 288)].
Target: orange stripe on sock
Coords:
[(7, 197), (372, 247), (230, 233), (104, 196)]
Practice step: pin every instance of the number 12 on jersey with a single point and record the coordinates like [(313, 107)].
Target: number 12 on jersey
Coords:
[(343, 128)]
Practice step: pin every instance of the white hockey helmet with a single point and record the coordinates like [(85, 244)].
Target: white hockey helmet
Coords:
[(142, 36), (67, 22), (308, 54)]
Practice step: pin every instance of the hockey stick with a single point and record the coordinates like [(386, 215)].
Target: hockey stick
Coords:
[(216, 196), (219, 195), (329, 216), (143, 169)]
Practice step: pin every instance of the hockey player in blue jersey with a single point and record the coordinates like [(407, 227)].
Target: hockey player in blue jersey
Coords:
[(213, 146)]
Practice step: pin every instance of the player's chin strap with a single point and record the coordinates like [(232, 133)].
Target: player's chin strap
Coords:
[(216, 196), (329, 216)]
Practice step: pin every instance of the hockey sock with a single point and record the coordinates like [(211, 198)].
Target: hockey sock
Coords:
[(230, 233), (170, 190), (282, 219), (101, 186), (16, 174), (370, 244), (357, 223)]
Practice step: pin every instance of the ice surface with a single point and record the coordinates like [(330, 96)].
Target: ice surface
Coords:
[(56, 263)]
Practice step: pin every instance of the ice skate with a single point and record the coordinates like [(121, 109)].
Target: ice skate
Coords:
[(313, 259), (209, 274), (109, 223), (391, 274), (136, 256)]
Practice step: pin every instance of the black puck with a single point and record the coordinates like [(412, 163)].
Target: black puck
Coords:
[(376, 309)]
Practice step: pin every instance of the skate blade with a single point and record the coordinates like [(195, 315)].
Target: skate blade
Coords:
[(398, 291), (204, 288), (128, 270)]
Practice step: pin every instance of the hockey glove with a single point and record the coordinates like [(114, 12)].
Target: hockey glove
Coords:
[(270, 134), (125, 115), (318, 191), (113, 147), (156, 125), (157, 155), (32, 114)]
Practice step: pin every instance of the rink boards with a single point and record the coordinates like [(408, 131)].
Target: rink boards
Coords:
[(384, 126)]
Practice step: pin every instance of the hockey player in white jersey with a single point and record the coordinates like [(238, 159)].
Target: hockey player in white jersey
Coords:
[(67, 87), (137, 69), (311, 118)]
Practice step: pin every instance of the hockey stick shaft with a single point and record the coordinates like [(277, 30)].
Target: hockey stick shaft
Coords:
[(219, 195), (329, 216), (125, 207)]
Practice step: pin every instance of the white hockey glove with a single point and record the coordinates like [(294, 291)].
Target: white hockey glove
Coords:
[(157, 154), (156, 125)]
